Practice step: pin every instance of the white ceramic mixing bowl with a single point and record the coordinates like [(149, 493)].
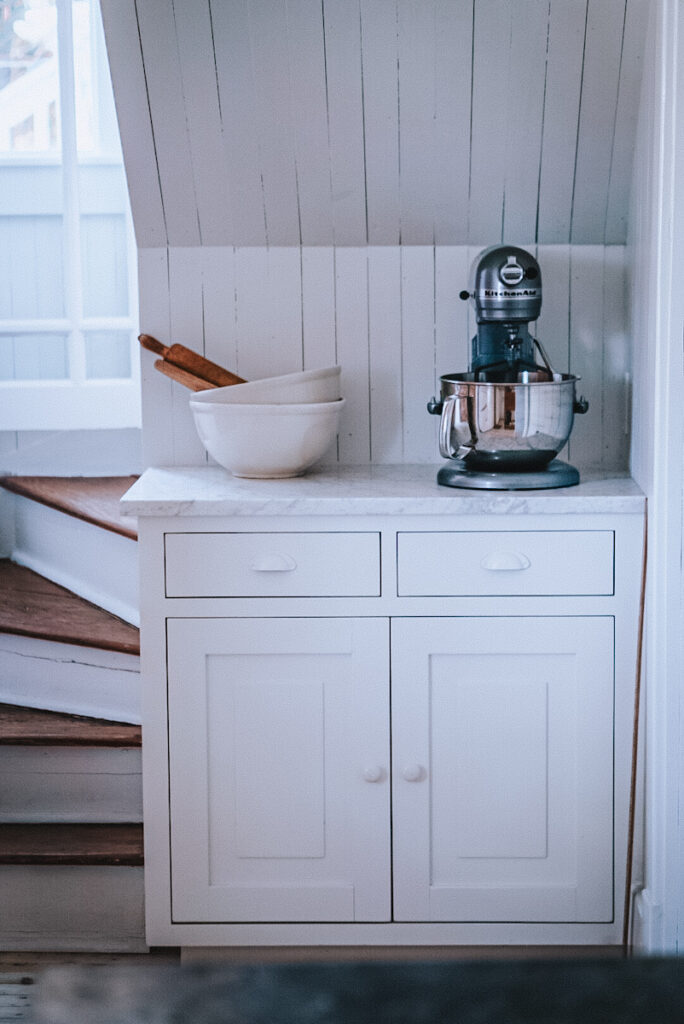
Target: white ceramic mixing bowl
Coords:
[(321, 385), (266, 441)]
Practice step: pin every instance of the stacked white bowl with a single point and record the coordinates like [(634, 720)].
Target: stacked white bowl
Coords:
[(270, 428)]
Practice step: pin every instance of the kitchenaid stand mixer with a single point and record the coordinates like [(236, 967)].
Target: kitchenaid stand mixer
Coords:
[(505, 420)]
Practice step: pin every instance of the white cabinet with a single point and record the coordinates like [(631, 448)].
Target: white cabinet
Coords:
[(279, 763), (502, 733), (379, 729)]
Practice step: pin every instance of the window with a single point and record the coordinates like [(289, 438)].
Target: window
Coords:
[(68, 296)]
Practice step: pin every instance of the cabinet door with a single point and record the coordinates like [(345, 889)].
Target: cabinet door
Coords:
[(503, 769), (279, 769)]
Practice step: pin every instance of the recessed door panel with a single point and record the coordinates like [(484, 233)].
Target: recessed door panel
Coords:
[(510, 721), (278, 729)]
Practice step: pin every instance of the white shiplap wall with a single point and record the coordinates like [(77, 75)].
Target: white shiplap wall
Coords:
[(310, 180)]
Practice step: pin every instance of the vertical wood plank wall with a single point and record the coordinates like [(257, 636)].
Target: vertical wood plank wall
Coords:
[(310, 180), (392, 318)]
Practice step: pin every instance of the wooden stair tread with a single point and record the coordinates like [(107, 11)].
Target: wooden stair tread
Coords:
[(20, 726), (95, 499), (30, 605), (71, 844)]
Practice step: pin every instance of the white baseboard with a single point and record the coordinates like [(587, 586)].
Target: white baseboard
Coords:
[(65, 677)]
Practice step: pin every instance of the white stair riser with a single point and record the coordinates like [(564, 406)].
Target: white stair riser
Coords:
[(66, 784), (65, 677), (94, 563), (72, 908)]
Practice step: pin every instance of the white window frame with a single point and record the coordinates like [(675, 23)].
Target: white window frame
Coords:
[(75, 403)]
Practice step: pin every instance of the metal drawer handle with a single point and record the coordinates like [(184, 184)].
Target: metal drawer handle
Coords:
[(274, 563), (505, 561)]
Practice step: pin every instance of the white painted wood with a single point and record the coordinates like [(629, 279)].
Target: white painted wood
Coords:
[(587, 296), (352, 353), (385, 350), (72, 908), (285, 825), (198, 78), (97, 564), (598, 105), (616, 363), (511, 818), (156, 390), (525, 92), (379, 56), (342, 40), (232, 60), (70, 784), (264, 565), (132, 107), (622, 158), (169, 116), (417, 128), (186, 328), (453, 65), (268, 312), (513, 563), (308, 92), (219, 314), (565, 51), (66, 677), (418, 352), (318, 307)]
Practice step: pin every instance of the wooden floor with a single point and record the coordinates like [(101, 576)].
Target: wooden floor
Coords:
[(93, 499), (88, 844), (30, 605)]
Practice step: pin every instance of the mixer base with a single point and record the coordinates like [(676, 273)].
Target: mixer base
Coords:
[(556, 474)]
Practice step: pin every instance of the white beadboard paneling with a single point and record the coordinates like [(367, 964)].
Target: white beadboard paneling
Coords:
[(567, 24), (268, 312), (586, 339), (553, 326), (525, 93), (345, 120), (169, 118), (385, 340), (491, 55), (615, 365), (379, 53), (200, 93), (137, 137), (185, 314), (233, 62), (274, 122), (453, 64), (622, 159), (452, 336), (310, 120), (351, 276), (218, 305), (318, 307), (598, 104), (153, 287), (418, 173), (418, 351)]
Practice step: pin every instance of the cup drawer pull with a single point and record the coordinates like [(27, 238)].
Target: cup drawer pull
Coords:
[(505, 561), (274, 563)]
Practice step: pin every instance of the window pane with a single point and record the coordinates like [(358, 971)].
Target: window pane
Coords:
[(105, 265), (108, 354), (34, 357), (96, 127), (29, 77), (31, 270)]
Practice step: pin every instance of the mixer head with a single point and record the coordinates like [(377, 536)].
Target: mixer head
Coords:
[(505, 285)]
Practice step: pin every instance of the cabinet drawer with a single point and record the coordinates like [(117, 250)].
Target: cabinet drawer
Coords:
[(513, 563), (272, 564)]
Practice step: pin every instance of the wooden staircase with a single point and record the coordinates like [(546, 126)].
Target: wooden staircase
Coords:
[(70, 741)]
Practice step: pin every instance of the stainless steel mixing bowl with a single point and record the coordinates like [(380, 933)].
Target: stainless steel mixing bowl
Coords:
[(506, 427)]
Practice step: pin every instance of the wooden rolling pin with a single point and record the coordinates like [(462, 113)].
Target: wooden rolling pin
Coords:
[(192, 363)]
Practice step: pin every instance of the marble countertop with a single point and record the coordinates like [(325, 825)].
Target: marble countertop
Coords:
[(363, 490)]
